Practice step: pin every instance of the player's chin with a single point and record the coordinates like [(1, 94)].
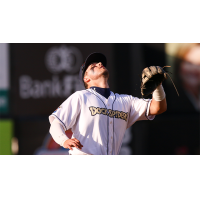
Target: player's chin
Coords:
[(105, 73)]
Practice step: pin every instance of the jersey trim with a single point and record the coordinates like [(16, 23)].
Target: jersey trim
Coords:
[(98, 97), (146, 111), (148, 107), (59, 120)]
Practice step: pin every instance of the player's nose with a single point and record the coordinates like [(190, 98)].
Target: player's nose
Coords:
[(99, 64)]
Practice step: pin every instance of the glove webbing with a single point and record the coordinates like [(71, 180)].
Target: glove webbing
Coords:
[(171, 80)]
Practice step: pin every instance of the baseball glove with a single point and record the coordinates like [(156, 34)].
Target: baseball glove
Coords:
[(151, 78)]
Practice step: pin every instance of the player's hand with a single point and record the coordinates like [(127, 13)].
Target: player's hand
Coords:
[(68, 144)]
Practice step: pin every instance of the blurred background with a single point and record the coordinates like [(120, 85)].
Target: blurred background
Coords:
[(36, 78)]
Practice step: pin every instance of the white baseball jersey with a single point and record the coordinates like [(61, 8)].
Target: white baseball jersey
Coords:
[(100, 123)]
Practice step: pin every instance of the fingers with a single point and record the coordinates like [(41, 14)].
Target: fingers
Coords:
[(69, 147), (73, 143), (78, 141), (77, 145)]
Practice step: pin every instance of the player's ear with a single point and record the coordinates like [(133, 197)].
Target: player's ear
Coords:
[(86, 79)]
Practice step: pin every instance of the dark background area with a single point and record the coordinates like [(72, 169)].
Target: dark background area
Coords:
[(174, 132)]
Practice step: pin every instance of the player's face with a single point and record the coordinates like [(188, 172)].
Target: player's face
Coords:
[(96, 70)]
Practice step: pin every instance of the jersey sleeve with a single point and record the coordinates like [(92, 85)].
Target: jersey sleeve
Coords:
[(68, 111), (139, 110)]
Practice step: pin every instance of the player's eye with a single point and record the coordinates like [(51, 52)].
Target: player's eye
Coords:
[(93, 66)]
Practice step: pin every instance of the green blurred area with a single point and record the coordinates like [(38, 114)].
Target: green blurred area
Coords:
[(6, 133), (4, 103)]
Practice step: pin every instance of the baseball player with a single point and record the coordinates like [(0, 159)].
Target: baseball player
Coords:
[(97, 117)]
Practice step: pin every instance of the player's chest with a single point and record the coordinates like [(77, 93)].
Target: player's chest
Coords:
[(111, 107)]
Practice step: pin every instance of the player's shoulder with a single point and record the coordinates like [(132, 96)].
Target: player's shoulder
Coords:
[(74, 96), (123, 96), (83, 93), (127, 97), (80, 92)]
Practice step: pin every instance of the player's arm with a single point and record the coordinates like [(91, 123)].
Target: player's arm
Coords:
[(58, 134), (158, 103)]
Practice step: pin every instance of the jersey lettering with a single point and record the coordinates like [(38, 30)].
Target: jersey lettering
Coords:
[(108, 112)]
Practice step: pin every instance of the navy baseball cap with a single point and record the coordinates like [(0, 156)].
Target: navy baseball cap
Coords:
[(93, 57)]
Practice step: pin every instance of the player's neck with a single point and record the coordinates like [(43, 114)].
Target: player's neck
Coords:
[(100, 83)]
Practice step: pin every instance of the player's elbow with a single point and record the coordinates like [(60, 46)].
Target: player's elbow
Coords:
[(165, 106), (162, 109), (158, 107)]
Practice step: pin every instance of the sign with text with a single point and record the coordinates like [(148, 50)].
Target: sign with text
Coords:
[(44, 75)]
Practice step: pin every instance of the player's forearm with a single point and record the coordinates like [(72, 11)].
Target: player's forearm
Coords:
[(157, 107), (57, 132), (158, 103)]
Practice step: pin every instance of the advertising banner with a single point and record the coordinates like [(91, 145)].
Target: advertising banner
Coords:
[(44, 75)]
